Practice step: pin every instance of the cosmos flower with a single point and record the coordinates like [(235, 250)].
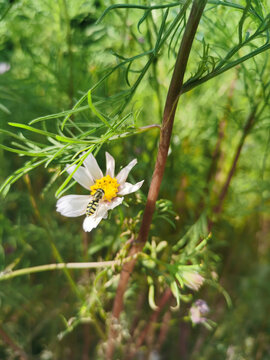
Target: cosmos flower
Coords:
[(192, 279), (91, 178), (197, 312)]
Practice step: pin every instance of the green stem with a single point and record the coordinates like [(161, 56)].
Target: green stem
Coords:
[(189, 85), (55, 251), (70, 54), (58, 266)]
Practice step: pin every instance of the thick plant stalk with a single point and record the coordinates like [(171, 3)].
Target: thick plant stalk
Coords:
[(165, 137)]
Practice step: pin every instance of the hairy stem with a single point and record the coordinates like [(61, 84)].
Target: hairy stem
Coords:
[(165, 137)]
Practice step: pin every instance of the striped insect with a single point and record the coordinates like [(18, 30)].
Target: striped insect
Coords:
[(92, 205)]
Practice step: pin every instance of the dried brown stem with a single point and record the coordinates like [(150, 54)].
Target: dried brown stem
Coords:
[(173, 95), (217, 153), (165, 327), (153, 319), (221, 132), (142, 298), (184, 334), (86, 342), (145, 333), (248, 126)]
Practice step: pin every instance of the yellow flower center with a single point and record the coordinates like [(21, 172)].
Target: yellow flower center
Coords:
[(108, 184)]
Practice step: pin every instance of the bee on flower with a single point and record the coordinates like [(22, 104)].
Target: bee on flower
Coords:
[(106, 192)]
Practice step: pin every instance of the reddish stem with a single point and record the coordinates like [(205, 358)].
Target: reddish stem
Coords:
[(218, 208), (173, 95), (16, 349), (153, 319), (221, 133)]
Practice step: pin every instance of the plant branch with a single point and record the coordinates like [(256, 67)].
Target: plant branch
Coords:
[(217, 153), (70, 54), (154, 317), (43, 223), (191, 84), (165, 137), (5, 275), (248, 126)]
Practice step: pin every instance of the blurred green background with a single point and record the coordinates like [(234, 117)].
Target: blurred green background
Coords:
[(51, 53)]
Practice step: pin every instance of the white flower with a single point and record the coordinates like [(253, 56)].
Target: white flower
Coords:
[(197, 312), (4, 67), (91, 178), (192, 279)]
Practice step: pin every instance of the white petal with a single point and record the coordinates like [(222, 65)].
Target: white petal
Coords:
[(115, 202), (110, 165), (72, 205), (102, 210), (91, 222), (81, 176), (92, 166), (128, 188), (123, 174)]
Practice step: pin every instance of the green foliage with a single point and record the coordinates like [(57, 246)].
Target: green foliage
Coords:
[(92, 76)]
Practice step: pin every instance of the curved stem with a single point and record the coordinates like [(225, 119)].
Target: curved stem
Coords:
[(165, 137), (223, 193)]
